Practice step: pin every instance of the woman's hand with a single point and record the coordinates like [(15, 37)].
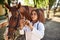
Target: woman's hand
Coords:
[(27, 22), (21, 23)]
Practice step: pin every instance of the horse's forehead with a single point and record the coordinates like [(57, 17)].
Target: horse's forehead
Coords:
[(14, 9)]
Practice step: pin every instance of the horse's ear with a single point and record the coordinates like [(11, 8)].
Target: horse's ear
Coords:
[(19, 5), (6, 5)]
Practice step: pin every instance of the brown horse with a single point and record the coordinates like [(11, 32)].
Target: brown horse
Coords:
[(26, 10), (18, 12), (14, 20)]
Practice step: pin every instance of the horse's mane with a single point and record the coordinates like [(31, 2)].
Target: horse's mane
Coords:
[(28, 9)]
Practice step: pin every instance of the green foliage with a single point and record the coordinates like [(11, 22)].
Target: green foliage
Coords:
[(2, 2), (26, 2), (42, 3), (9, 1), (38, 3), (51, 2)]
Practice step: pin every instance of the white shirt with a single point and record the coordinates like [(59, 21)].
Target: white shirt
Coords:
[(35, 34)]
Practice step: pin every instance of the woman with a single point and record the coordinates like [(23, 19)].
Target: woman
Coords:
[(34, 30)]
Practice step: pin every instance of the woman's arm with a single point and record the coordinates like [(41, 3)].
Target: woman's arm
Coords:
[(40, 32)]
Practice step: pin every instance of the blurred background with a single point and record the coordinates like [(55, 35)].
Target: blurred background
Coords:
[(51, 12)]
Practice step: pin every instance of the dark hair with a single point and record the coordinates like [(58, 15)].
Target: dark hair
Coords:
[(38, 13)]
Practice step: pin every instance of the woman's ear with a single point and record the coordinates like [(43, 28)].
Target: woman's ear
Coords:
[(6, 5)]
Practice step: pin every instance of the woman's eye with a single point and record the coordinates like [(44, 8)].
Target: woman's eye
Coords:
[(34, 14)]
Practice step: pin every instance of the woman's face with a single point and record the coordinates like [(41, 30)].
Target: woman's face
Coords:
[(34, 16)]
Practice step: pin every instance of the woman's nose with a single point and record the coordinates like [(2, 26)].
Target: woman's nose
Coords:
[(32, 15)]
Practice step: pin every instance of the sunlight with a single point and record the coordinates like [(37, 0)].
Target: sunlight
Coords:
[(31, 2), (57, 19), (21, 1)]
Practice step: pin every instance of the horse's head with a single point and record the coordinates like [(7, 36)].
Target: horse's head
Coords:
[(13, 22), (14, 9)]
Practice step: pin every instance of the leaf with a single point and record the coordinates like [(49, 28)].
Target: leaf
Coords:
[(2, 2)]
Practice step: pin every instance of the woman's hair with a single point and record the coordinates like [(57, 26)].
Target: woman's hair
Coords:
[(40, 14)]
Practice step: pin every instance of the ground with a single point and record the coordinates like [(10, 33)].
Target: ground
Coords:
[(52, 28)]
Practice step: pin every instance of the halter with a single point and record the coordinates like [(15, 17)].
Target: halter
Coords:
[(17, 24)]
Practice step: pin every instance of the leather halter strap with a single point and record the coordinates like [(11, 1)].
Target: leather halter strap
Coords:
[(17, 24)]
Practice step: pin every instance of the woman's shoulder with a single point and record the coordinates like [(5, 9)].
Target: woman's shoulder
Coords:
[(40, 23)]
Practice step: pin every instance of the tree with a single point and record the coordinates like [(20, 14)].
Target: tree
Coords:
[(51, 2), (38, 3), (1, 2), (35, 2)]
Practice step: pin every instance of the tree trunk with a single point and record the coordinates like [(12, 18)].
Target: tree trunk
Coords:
[(48, 11), (35, 3), (35, 6)]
